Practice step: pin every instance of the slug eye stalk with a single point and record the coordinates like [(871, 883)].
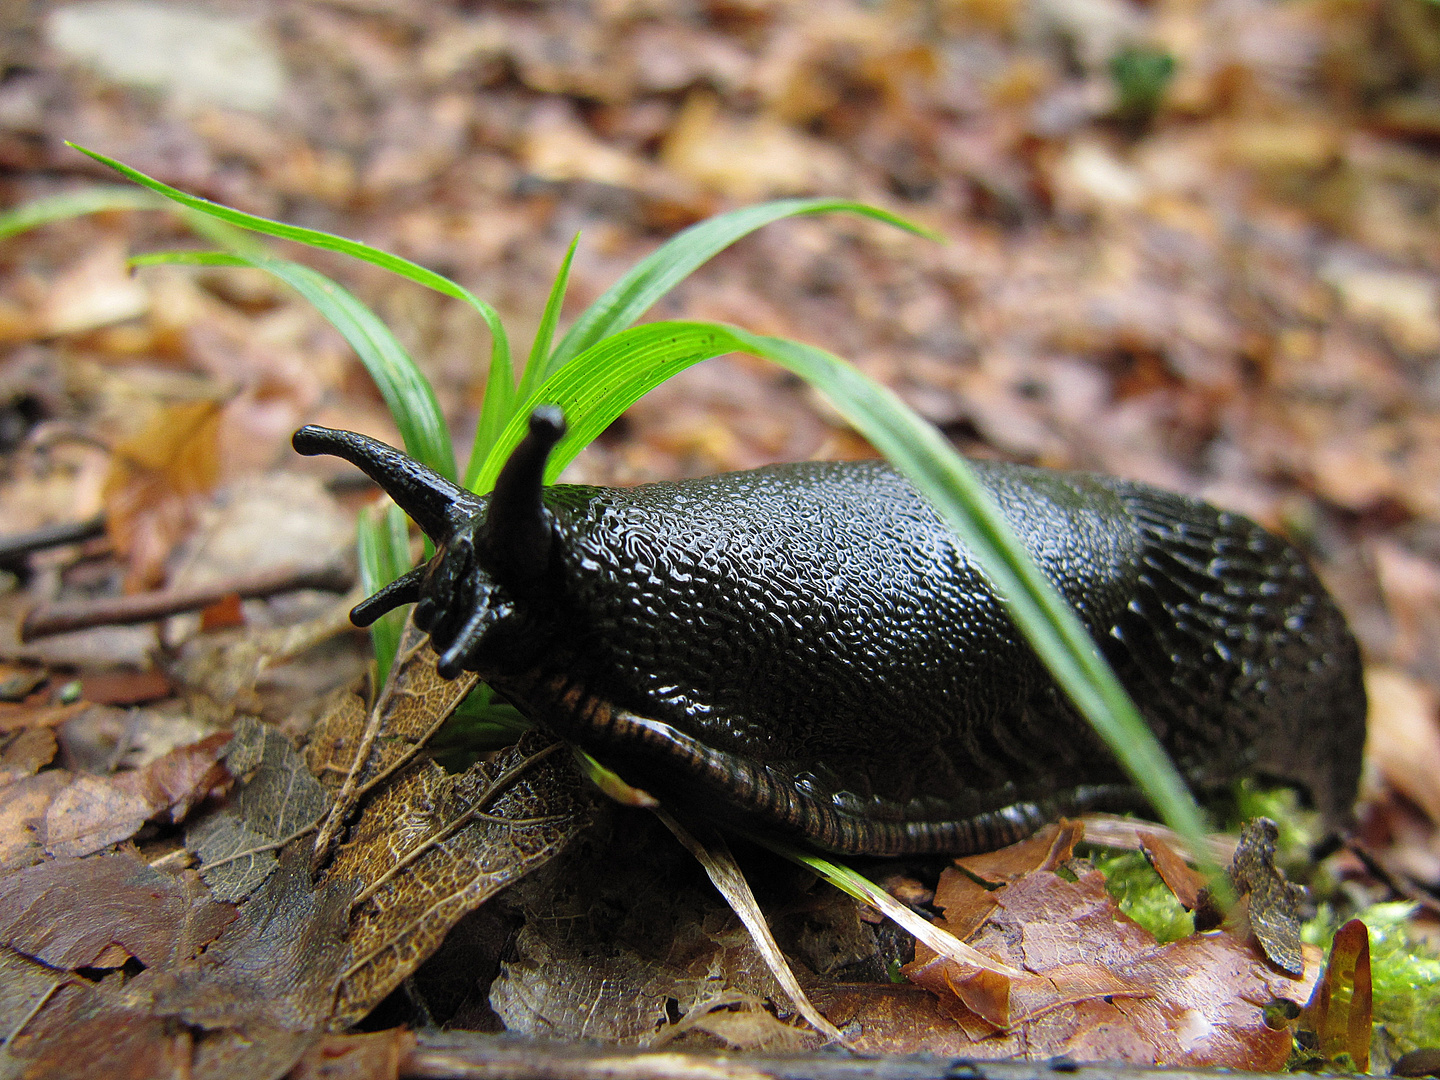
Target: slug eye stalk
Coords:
[(518, 536), (436, 505)]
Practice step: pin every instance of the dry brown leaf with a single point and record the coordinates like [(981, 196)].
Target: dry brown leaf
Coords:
[(97, 291), (747, 159), (14, 717), (967, 902), (623, 934), (276, 802), (1179, 877), (1100, 987), (22, 815), (125, 687), (411, 707), (1403, 739), (430, 847), (25, 753), (68, 912), (153, 476), (250, 1007), (97, 811), (222, 671)]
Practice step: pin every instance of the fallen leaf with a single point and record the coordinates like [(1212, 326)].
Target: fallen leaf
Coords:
[(153, 477), (1403, 739), (430, 847), (67, 912), (747, 159), (25, 752), (97, 291), (967, 891), (97, 811), (1339, 1011), (412, 705), (276, 801), (1098, 987), (1271, 903), (25, 986), (15, 717), (22, 813), (226, 614), (1179, 877), (125, 687)]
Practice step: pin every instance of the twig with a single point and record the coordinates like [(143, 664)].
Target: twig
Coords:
[(16, 546), (458, 1055), (61, 618)]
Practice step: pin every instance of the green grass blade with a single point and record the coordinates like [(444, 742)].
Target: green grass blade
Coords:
[(602, 382), (500, 350), (403, 386), (383, 542), (677, 258), (545, 335), (71, 204), (501, 395)]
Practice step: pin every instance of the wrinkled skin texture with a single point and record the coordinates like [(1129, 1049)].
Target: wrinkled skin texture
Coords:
[(808, 650)]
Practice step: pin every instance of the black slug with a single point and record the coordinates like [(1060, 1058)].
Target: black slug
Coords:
[(808, 650)]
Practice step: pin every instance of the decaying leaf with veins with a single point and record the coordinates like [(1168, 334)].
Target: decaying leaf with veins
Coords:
[(430, 847), (276, 802), (411, 707)]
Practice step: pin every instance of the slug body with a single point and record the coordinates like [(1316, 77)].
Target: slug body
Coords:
[(808, 649)]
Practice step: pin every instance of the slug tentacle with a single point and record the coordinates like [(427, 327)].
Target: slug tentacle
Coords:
[(403, 590), (517, 531), (436, 505)]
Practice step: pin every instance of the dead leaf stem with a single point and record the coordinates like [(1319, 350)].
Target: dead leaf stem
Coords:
[(260, 849)]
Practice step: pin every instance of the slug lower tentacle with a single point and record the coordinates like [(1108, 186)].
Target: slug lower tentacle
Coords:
[(807, 649)]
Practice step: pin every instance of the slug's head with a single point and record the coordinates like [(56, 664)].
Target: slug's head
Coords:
[(493, 556)]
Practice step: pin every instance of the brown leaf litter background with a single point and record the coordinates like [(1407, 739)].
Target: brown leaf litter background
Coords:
[(1236, 296)]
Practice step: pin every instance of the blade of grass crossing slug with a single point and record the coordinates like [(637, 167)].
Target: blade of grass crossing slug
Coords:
[(501, 395), (1042, 614), (677, 258), (500, 349), (383, 542), (545, 333), (401, 383), (69, 204), (861, 888), (720, 865)]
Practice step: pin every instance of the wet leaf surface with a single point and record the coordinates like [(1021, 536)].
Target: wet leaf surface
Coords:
[(1098, 986), (1339, 1011)]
